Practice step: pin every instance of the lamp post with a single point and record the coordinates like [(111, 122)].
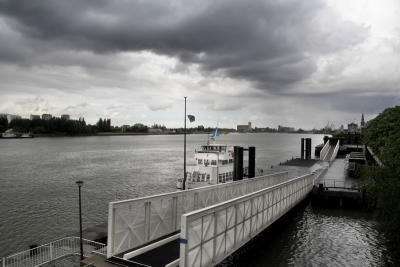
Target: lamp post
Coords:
[(80, 184), (184, 152)]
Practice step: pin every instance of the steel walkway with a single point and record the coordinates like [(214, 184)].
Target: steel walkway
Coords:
[(203, 226)]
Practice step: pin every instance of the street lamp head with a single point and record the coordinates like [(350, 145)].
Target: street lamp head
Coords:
[(79, 183)]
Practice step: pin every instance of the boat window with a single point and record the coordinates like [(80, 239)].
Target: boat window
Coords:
[(219, 178), (200, 161), (208, 177), (203, 176), (230, 160), (213, 162), (206, 162)]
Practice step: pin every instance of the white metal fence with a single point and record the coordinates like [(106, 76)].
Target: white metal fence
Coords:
[(211, 234), (52, 251), (133, 223), (324, 151)]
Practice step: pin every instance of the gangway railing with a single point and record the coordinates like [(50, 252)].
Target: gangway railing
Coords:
[(324, 151), (53, 251), (335, 152), (211, 234), (137, 222)]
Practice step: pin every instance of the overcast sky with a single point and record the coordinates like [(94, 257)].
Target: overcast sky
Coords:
[(294, 63)]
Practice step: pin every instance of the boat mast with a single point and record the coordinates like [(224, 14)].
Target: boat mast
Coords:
[(184, 152)]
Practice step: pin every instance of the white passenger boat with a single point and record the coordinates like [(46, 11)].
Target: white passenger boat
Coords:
[(214, 165), (9, 134)]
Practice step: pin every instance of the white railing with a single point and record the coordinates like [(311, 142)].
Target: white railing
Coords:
[(324, 151), (133, 223), (377, 160), (211, 234), (319, 174), (52, 251), (335, 152)]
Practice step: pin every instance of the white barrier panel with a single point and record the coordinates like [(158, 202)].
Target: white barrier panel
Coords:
[(324, 151), (211, 234), (133, 223)]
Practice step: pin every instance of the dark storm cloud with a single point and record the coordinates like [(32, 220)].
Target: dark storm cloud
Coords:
[(271, 43)]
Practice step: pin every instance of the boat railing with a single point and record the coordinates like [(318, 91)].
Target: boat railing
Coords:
[(53, 251)]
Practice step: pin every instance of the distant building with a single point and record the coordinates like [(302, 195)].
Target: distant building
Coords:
[(244, 128), (35, 117), (362, 124), (285, 129), (65, 117), (124, 128), (9, 117), (47, 116), (352, 128), (155, 130)]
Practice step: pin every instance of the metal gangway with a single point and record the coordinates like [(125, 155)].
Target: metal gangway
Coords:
[(329, 152), (201, 227)]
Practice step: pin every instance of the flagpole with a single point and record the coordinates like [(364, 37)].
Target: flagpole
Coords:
[(184, 152)]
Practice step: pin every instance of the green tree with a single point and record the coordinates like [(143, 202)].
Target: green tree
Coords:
[(383, 191), (3, 124)]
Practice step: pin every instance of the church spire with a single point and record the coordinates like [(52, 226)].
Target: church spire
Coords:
[(362, 120)]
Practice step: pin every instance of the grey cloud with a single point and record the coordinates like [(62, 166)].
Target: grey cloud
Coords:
[(349, 101), (271, 43)]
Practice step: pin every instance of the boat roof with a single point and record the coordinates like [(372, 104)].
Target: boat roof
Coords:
[(214, 145)]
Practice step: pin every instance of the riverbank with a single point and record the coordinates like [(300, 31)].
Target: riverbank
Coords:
[(106, 134), (142, 133)]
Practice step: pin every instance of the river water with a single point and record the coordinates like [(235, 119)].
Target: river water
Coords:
[(39, 196)]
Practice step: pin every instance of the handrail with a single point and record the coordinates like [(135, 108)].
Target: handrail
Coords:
[(335, 152), (377, 160), (324, 151), (341, 184), (52, 251)]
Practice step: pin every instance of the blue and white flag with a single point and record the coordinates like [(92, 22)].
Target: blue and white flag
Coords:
[(216, 133)]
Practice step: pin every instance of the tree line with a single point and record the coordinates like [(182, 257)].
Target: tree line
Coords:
[(50, 126), (383, 183), (79, 127)]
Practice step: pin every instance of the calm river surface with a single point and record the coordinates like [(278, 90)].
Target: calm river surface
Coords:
[(39, 196)]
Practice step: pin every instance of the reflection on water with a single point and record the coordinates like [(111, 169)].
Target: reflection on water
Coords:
[(39, 195), (311, 236)]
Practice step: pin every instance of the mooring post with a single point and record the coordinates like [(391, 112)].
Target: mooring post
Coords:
[(238, 163), (308, 148), (252, 161)]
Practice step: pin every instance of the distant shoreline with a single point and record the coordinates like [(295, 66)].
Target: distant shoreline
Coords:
[(140, 134)]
